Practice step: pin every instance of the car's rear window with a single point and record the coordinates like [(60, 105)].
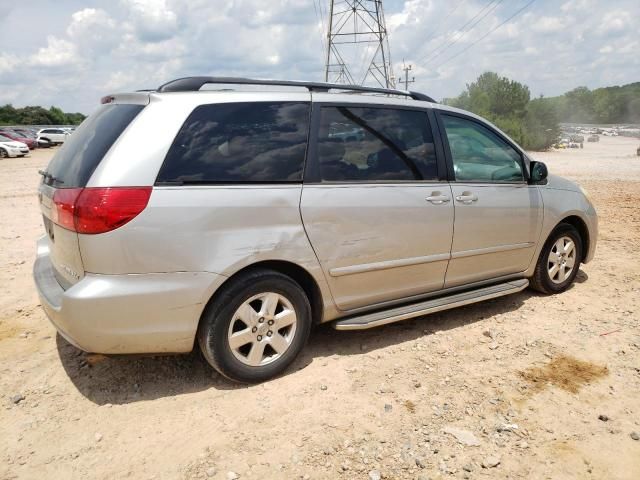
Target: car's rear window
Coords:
[(82, 152), (239, 143)]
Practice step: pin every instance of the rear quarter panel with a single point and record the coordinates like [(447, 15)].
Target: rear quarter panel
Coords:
[(217, 229)]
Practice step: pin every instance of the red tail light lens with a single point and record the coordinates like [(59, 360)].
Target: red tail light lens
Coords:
[(98, 210), (65, 203)]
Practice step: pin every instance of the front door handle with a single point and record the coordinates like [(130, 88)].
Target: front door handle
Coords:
[(467, 198), (437, 199)]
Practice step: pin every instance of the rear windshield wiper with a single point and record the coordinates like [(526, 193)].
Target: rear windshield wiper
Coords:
[(46, 175)]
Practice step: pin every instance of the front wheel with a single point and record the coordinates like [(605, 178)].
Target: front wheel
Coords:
[(3, 153), (559, 260), (256, 326)]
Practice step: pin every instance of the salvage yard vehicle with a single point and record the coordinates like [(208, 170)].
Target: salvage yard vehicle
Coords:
[(18, 137), (235, 220), (56, 136), (12, 148)]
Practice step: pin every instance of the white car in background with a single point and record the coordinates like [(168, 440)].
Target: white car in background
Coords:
[(54, 135), (11, 148)]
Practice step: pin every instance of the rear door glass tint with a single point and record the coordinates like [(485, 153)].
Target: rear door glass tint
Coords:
[(375, 144), (239, 143), (82, 152)]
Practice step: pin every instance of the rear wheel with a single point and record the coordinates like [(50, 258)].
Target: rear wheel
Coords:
[(256, 326), (559, 260)]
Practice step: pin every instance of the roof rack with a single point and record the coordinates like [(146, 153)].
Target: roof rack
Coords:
[(193, 84)]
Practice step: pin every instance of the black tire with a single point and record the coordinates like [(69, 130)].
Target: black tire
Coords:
[(215, 324), (3, 153), (541, 280)]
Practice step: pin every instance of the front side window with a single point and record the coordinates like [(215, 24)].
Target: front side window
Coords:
[(479, 155), (375, 144), (239, 143)]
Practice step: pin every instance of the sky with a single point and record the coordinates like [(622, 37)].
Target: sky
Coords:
[(70, 53)]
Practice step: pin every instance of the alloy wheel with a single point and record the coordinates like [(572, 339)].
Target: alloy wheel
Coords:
[(562, 259), (262, 329)]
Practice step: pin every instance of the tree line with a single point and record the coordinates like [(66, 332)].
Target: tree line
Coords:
[(38, 116), (534, 123)]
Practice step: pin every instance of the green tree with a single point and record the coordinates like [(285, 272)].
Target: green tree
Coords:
[(541, 124), (505, 103), (7, 114), (35, 115), (57, 116)]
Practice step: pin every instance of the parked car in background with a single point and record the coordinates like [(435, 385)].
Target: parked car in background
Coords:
[(593, 138), (12, 148), (33, 135), (18, 137), (56, 136), (249, 221)]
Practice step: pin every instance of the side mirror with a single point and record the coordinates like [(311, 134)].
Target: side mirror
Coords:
[(539, 172)]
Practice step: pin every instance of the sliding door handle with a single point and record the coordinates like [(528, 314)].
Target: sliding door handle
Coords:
[(438, 199), (467, 198)]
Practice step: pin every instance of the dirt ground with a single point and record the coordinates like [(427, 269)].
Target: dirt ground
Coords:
[(524, 386)]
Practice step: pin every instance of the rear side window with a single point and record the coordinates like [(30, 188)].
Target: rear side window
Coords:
[(73, 165), (375, 144), (239, 143)]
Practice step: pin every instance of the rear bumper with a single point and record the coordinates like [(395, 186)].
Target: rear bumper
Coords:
[(141, 313)]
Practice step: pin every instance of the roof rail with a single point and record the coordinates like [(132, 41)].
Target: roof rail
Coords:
[(193, 84)]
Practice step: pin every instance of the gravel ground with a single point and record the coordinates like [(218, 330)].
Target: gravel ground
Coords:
[(524, 386)]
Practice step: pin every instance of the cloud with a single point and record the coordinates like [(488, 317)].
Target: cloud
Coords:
[(57, 53), (152, 20), (548, 25), (85, 53), (93, 29)]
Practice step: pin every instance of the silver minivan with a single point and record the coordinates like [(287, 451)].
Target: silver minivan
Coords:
[(237, 213)]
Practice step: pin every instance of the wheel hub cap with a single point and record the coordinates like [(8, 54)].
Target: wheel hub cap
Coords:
[(562, 260), (262, 329)]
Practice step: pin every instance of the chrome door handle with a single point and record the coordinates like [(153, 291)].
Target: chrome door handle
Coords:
[(467, 198), (438, 199)]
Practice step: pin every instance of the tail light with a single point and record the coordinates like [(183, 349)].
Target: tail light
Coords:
[(98, 210)]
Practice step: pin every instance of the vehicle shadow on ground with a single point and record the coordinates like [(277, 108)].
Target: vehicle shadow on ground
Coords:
[(132, 378)]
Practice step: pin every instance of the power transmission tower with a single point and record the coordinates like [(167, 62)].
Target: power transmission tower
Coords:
[(406, 70), (358, 44)]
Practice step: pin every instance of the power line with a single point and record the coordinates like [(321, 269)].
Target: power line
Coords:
[(452, 33), (487, 34), (320, 21), (443, 25), (491, 7)]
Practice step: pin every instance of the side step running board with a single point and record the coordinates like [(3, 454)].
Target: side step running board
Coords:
[(370, 320)]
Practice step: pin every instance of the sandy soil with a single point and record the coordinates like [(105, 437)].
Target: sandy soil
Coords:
[(516, 384)]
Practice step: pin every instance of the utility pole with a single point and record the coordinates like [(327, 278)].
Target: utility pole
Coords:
[(358, 44), (407, 69)]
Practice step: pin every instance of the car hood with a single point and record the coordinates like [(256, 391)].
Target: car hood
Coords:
[(560, 183)]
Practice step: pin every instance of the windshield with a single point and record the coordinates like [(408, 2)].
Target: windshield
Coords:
[(5, 139)]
